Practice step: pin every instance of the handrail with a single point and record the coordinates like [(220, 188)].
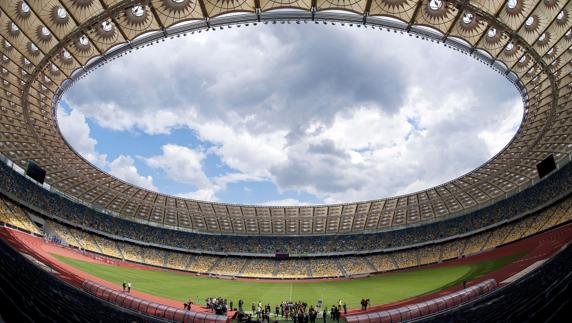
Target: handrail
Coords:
[(417, 310), (149, 308)]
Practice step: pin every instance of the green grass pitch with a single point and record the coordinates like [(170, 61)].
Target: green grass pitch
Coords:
[(379, 289)]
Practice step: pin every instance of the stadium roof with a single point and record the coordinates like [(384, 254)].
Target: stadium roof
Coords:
[(47, 45)]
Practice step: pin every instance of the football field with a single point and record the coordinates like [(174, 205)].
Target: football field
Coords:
[(379, 289)]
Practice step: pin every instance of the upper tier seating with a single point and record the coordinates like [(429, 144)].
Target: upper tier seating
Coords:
[(52, 204)]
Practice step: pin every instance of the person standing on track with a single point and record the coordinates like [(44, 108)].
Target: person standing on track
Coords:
[(129, 287), (124, 285), (188, 304)]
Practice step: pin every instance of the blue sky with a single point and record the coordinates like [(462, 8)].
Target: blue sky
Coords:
[(290, 115)]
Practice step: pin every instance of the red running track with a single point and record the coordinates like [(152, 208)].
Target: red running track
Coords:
[(538, 247)]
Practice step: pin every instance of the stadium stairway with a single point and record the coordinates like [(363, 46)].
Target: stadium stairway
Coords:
[(120, 251), (189, 262), (341, 268), (97, 246), (370, 264), (165, 259), (276, 269), (215, 264), (241, 271)]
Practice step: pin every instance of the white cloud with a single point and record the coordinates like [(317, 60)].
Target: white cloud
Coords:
[(151, 121), (124, 168), (509, 120), (284, 202), (357, 131), (201, 194), (76, 131), (243, 150), (222, 181), (365, 151), (182, 164)]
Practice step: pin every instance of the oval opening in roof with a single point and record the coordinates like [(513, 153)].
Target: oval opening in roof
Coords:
[(291, 114)]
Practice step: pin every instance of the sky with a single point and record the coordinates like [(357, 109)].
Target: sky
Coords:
[(290, 115)]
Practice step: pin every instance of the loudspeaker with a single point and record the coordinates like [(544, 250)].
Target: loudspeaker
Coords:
[(546, 166), (282, 255), (36, 172)]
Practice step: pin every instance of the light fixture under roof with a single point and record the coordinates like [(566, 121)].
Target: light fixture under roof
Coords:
[(435, 4), (138, 11), (24, 7), (511, 4), (62, 13), (107, 26)]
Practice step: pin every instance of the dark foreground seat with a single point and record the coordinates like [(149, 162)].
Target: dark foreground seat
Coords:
[(30, 294)]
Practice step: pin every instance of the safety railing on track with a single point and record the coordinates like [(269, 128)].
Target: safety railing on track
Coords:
[(413, 311), (150, 308)]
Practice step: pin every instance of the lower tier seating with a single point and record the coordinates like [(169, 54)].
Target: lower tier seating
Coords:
[(13, 215)]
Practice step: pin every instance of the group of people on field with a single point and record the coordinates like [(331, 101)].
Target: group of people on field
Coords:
[(297, 312), (217, 305)]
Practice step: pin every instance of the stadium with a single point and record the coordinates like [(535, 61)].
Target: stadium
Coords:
[(81, 245)]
